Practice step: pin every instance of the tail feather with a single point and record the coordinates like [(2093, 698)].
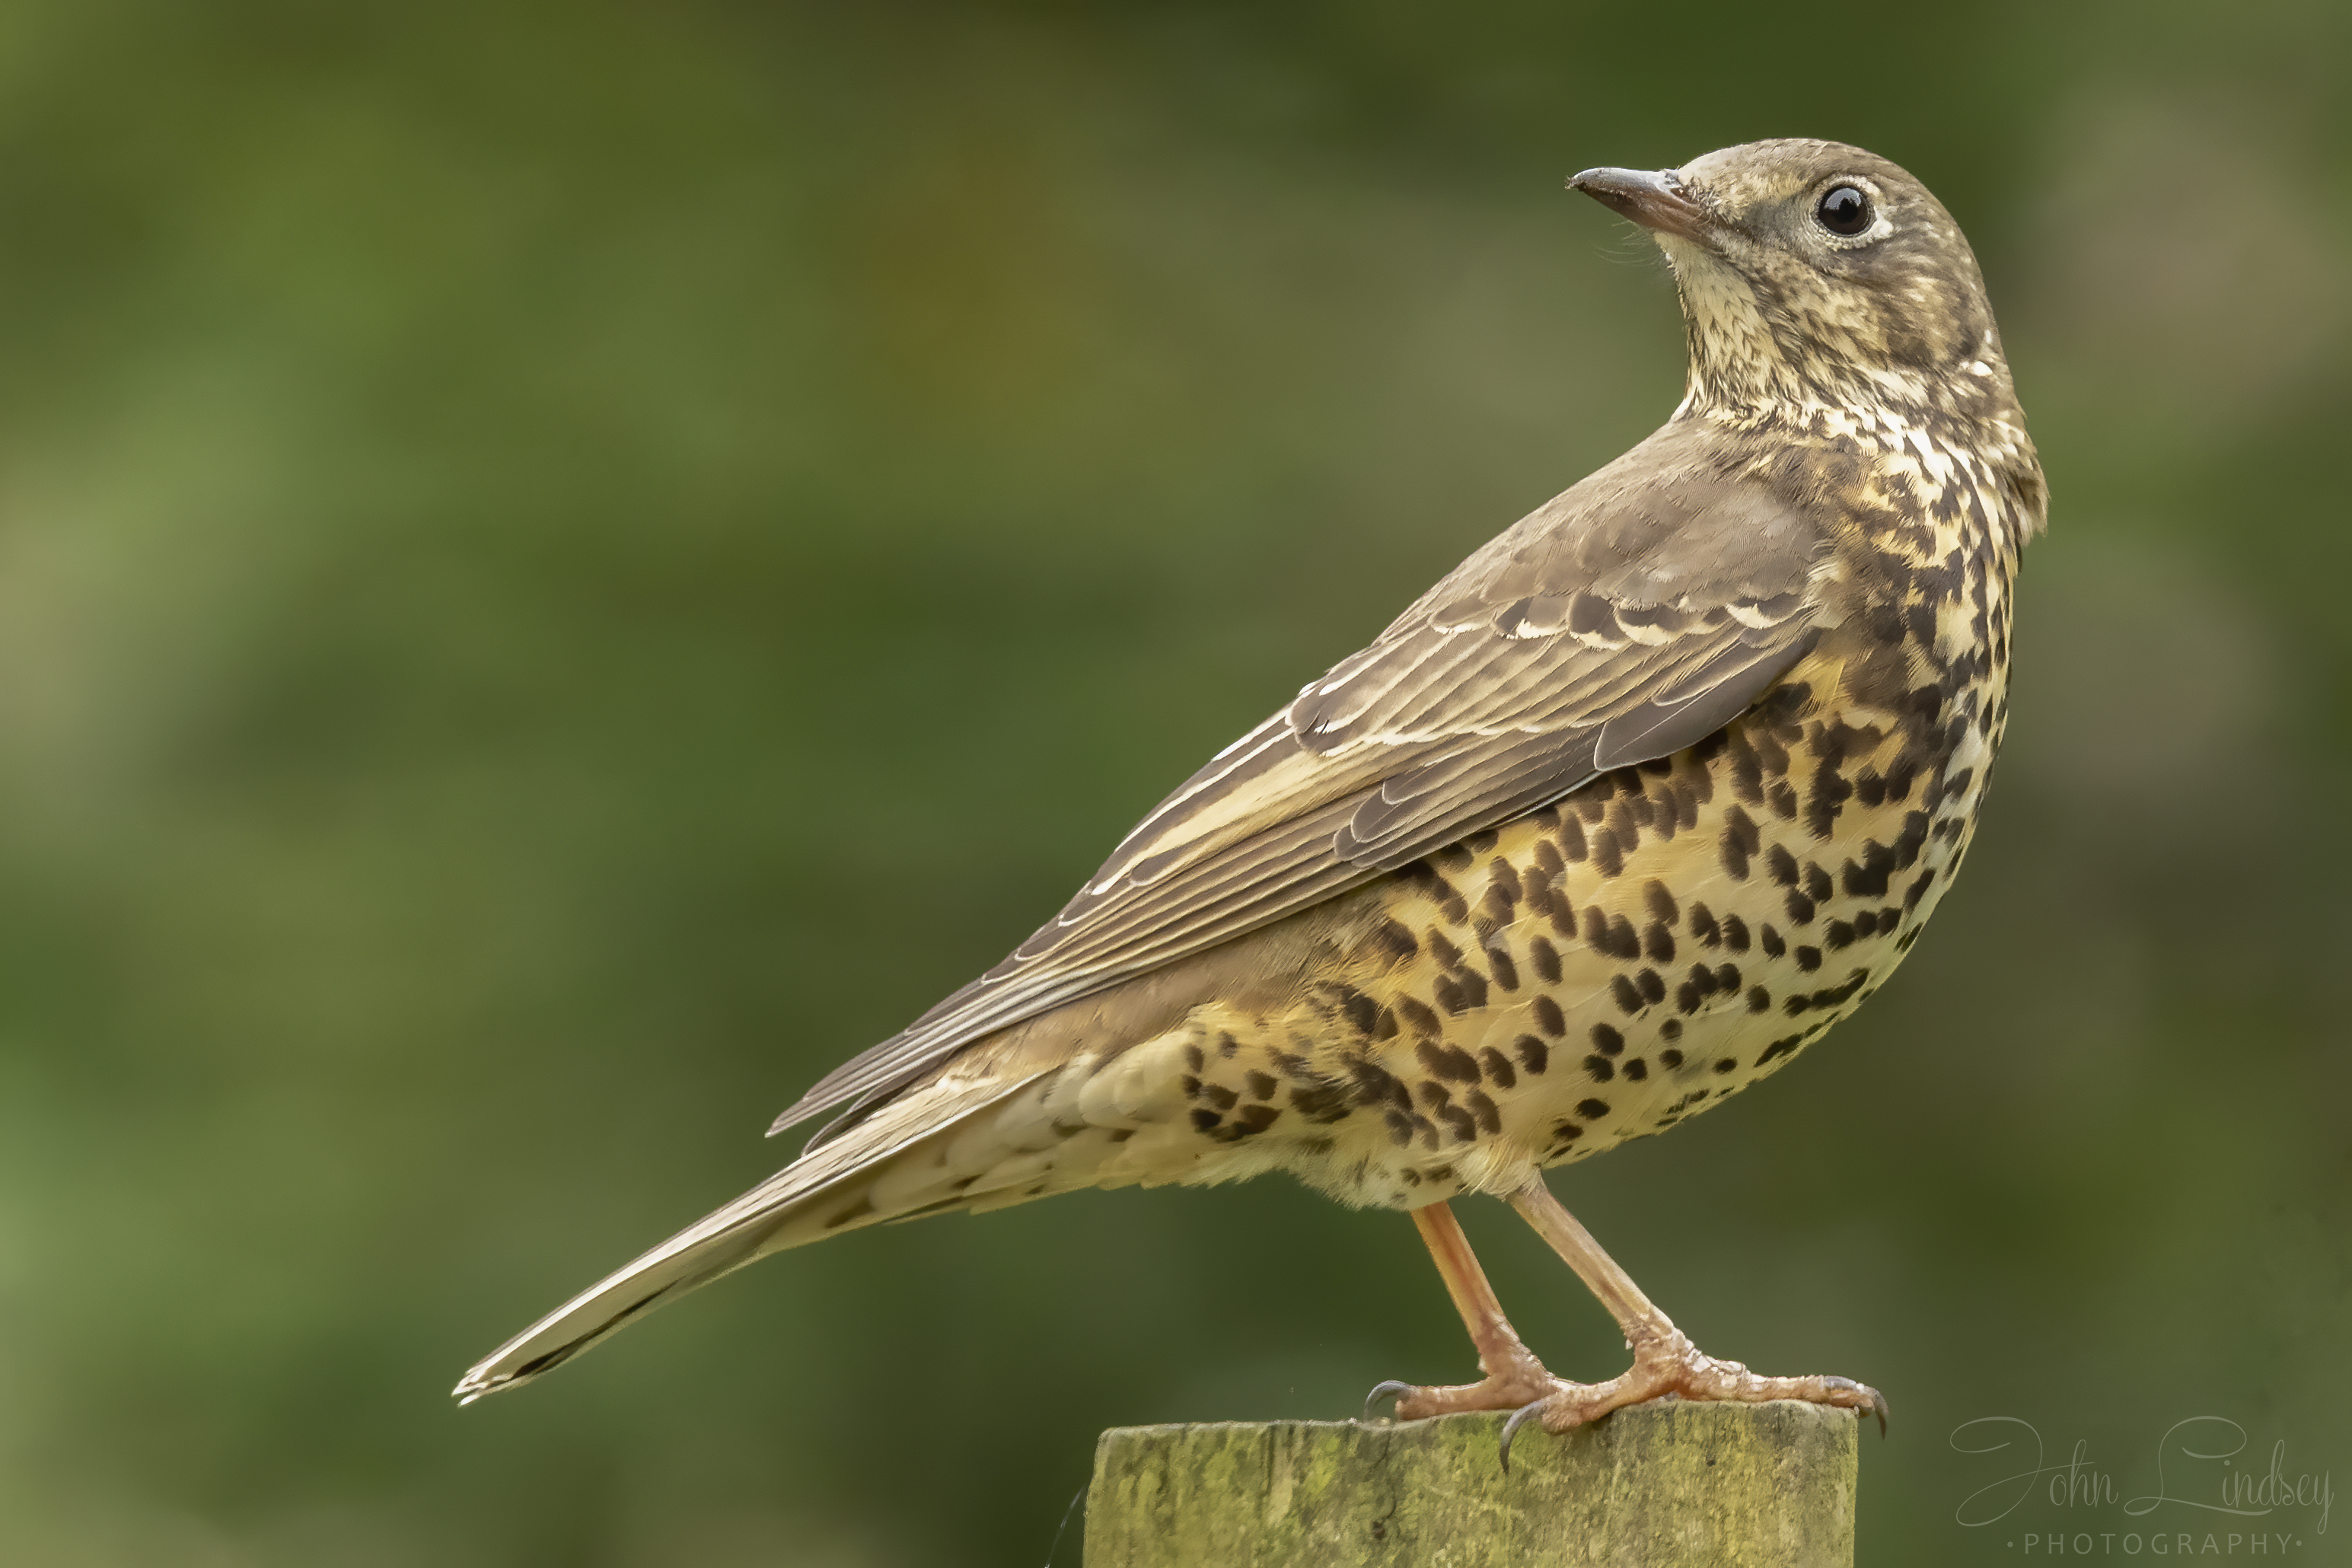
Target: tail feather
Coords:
[(832, 1187)]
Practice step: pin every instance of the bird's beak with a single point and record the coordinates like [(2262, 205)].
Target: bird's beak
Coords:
[(1654, 200)]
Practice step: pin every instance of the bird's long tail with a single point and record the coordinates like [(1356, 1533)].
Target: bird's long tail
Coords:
[(939, 1147)]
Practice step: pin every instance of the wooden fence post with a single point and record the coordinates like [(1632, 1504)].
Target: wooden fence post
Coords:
[(1655, 1486)]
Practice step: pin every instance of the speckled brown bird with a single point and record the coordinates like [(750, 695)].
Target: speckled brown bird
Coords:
[(1622, 814)]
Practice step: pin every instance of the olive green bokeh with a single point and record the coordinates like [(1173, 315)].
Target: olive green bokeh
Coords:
[(563, 568)]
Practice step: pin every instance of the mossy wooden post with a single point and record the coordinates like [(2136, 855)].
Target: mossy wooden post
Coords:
[(1657, 1486)]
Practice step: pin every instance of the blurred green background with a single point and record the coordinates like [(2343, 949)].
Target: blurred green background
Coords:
[(525, 531)]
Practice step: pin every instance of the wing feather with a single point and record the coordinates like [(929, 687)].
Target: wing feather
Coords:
[(1621, 622)]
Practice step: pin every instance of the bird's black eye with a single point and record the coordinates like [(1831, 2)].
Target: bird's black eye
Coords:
[(1845, 210)]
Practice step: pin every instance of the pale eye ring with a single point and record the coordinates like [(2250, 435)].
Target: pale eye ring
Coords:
[(1845, 211)]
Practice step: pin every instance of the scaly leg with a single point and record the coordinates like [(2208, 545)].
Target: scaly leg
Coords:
[(1664, 1360), (1665, 1363), (1513, 1376)]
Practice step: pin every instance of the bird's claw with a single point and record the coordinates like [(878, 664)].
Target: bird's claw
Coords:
[(1390, 1389), (1873, 1401), (1510, 1428)]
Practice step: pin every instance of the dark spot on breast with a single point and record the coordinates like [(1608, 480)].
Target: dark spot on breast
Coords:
[(1740, 842), (1399, 1127), (1670, 1060), (1758, 999), (1826, 799), (1702, 926), (1534, 1054), (1221, 1096), (1607, 1040), (1601, 1069), (1773, 946), (1622, 992), (1607, 857), (1204, 1121), (1547, 1017), (1191, 1086), (1786, 1045), (1504, 879), (1460, 1124), (1799, 907), (1661, 902), (1635, 1067), (1571, 837), (1257, 1119), (1320, 1102), (1482, 1111), (1448, 956), (1417, 1017), (1817, 883), (1746, 770), (1623, 942), (1726, 1064), (1839, 934), (1592, 1109), (1688, 997), (1388, 1029), (1506, 974), (1910, 841), (1671, 1029), (1781, 865), (1448, 1062), (1261, 1084), (1868, 879), (1651, 986), (1735, 933), (1809, 959), (1783, 802), (1567, 1132), (1498, 1068), (1658, 942), (1453, 857), (1193, 1058), (1548, 864), (1363, 1012), (1546, 958), (1395, 940)]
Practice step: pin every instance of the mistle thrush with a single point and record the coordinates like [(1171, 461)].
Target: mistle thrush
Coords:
[(1619, 817)]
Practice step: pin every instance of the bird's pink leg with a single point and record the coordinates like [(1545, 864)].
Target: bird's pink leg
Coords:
[(1665, 1363), (1513, 1376)]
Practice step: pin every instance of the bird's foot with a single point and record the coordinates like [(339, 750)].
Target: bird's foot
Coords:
[(1667, 1365), (1514, 1380)]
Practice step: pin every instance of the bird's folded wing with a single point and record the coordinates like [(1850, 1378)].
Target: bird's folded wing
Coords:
[(1607, 630)]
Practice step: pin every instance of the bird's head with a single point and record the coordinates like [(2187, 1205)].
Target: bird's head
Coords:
[(1815, 278)]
